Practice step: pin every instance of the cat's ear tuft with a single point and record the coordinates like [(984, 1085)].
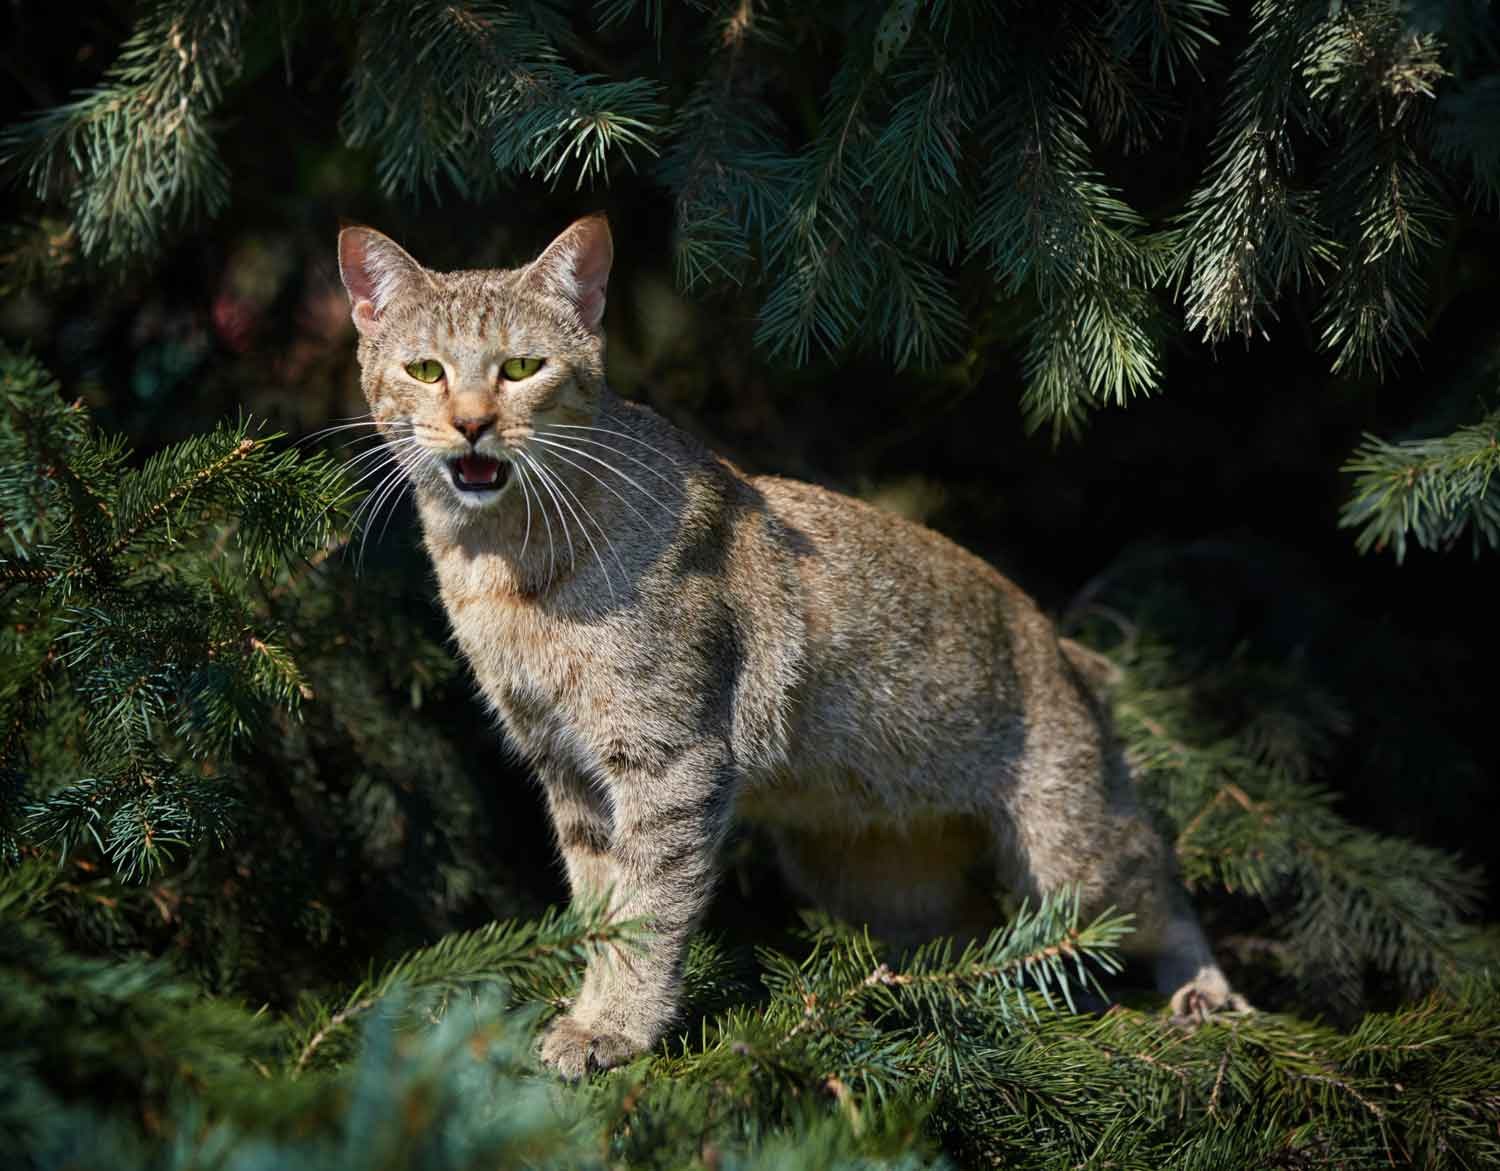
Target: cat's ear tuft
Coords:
[(575, 267), (374, 269)]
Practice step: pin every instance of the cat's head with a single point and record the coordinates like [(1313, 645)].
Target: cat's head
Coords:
[(461, 367)]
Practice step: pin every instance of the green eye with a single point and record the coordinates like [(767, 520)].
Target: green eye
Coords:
[(519, 368), (425, 370)]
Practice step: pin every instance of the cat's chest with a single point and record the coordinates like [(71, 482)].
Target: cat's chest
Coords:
[(535, 662)]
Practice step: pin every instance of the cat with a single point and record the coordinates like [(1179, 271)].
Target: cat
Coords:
[(671, 642)]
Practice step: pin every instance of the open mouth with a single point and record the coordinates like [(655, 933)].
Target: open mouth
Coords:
[(478, 473)]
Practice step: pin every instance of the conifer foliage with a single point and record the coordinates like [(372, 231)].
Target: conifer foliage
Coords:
[(140, 649), (161, 660), (960, 165), (1429, 491), (251, 913)]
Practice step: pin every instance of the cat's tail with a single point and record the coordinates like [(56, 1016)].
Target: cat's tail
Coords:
[(1099, 673)]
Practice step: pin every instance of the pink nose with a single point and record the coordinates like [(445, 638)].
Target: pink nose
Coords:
[(473, 428)]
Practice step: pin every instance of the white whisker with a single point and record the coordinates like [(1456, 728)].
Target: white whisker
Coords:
[(609, 584), (395, 503), (391, 492), (359, 521), (623, 435), (526, 496), (542, 479), (361, 439), (395, 454), (551, 548), (390, 452), (547, 482), (604, 463), (389, 445), (392, 467), (334, 430), (607, 486), (415, 466), (370, 473)]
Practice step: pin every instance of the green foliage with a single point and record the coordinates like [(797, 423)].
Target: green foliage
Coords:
[(841, 1054), (944, 166), (853, 1058), (849, 1057), (536, 958), (468, 94), (207, 721), (1247, 231), (1427, 490), (116, 1029), (132, 596), (1344, 903), (137, 153)]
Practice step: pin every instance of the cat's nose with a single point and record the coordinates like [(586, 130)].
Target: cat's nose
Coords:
[(473, 426)]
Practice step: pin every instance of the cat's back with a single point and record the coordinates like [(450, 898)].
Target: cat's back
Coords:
[(864, 562)]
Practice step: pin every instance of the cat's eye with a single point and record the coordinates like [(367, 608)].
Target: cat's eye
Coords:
[(425, 369), (519, 368)]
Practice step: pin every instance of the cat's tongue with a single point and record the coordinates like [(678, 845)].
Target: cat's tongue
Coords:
[(478, 469)]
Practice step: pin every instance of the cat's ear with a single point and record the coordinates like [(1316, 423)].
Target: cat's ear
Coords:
[(374, 269), (575, 267)]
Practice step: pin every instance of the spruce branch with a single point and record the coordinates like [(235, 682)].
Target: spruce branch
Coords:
[(583, 124), (1032, 951), (1349, 900), (1426, 490), (824, 275), (132, 610), (47, 465), (1172, 33), (1374, 79), (491, 96), (138, 151), (613, 13), (522, 955), (1250, 229), (1052, 224), (140, 513), (284, 504)]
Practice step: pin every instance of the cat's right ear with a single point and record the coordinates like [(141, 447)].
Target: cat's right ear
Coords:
[(575, 267), (374, 269)]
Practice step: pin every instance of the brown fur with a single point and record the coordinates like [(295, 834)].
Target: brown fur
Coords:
[(904, 720)]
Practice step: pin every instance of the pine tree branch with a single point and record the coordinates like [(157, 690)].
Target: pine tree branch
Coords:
[(1426, 490), (512, 951), (1248, 231), (174, 495), (138, 148), (1353, 899), (16, 571)]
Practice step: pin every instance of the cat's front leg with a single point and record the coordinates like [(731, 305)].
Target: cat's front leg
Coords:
[(582, 821), (667, 829)]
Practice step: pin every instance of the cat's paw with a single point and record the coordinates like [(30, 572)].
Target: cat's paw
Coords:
[(1204, 995), (575, 1050)]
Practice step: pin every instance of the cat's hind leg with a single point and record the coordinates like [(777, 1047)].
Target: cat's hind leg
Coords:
[(1073, 820)]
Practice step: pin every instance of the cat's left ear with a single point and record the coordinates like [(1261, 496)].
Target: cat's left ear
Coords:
[(575, 267), (374, 269)]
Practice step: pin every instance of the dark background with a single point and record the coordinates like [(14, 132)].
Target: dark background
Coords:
[(1209, 512)]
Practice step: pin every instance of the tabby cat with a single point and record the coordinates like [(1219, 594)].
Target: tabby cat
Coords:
[(672, 643)]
